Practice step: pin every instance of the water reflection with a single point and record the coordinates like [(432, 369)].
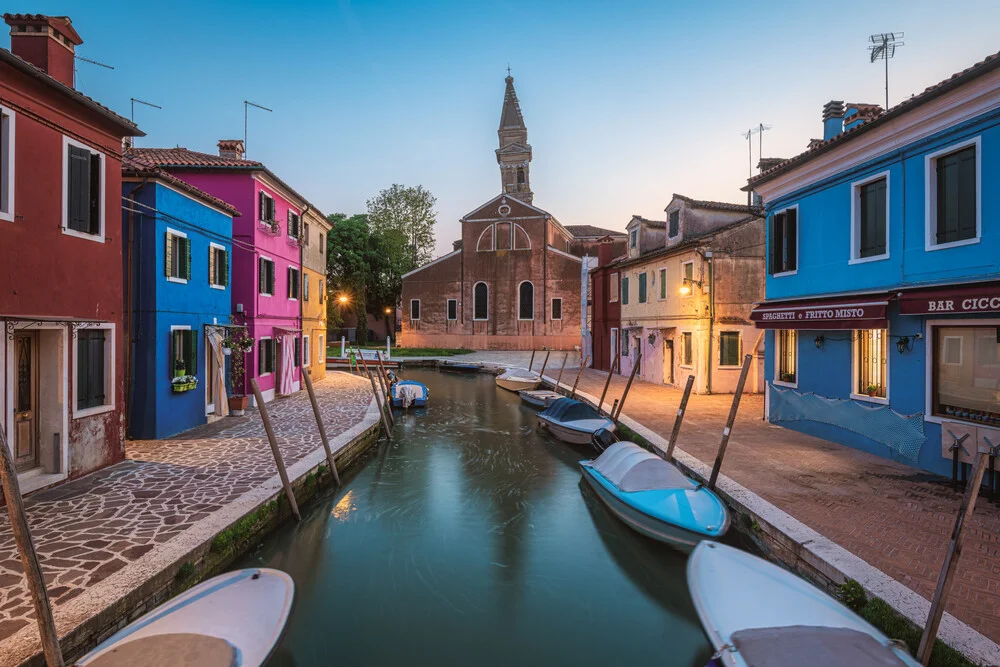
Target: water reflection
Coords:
[(467, 540)]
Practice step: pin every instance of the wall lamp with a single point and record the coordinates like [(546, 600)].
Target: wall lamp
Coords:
[(904, 343), (686, 285), (819, 341)]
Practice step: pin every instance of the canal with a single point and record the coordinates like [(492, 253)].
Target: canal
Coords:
[(471, 540)]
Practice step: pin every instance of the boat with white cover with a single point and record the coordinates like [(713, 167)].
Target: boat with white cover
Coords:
[(540, 398), (518, 379), (234, 619), (653, 497), (573, 421), (756, 613), (407, 394)]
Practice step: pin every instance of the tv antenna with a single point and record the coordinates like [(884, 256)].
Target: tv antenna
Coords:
[(748, 135), (883, 46), (246, 107), (93, 62), (133, 100)]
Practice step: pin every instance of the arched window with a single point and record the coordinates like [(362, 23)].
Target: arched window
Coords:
[(480, 301), (485, 243), (521, 240), (526, 301), (520, 176), (503, 236)]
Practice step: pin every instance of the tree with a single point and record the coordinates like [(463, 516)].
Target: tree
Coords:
[(409, 211), (348, 259)]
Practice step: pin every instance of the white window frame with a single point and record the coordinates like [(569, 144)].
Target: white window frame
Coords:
[(109, 373), (930, 195), (212, 247), (298, 280), (322, 348), (480, 319), (929, 358), (525, 319), (552, 304), (690, 362), (854, 369), (493, 239), (274, 356), (798, 237), (662, 273), (99, 237), (8, 137), (739, 344), (181, 235), (306, 356), (678, 212), (776, 380), (856, 186), (275, 207), (419, 310), (614, 286), (635, 243), (638, 285), (267, 294), (961, 350), (684, 278), (447, 304)]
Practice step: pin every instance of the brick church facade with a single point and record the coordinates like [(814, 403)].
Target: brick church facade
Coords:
[(514, 280)]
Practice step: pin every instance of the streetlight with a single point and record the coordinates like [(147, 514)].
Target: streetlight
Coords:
[(342, 299), (388, 311)]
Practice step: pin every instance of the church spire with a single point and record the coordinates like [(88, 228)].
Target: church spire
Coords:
[(514, 153)]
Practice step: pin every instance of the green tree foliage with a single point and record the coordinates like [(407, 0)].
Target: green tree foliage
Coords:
[(410, 212)]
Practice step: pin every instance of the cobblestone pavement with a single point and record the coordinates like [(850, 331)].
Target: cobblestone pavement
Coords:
[(90, 528), (897, 518)]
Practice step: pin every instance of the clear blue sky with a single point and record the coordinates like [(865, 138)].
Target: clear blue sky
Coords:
[(625, 102)]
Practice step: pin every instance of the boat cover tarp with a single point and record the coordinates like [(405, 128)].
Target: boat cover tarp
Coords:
[(796, 645), (408, 392), (520, 374), (183, 649), (631, 468), (568, 410)]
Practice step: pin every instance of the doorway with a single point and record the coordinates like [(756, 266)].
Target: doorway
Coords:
[(668, 361), (614, 350), (26, 401), (211, 373)]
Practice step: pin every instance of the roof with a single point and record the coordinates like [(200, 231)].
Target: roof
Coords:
[(713, 205), (956, 80), (61, 24), (130, 128), (134, 165), (655, 224), (687, 244), (511, 116), (183, 159), (584, 231)]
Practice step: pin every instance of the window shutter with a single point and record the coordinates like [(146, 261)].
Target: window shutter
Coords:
[(260, 357), (305, 288), (271, 211), (225, 267), (185, 259), (777, 241), (290, 282), (191, 350), (168, 254), (967, 193), (211, 265), (288, 221), (270, 277), (261, 278), (94, 193), (78, 190), (791, 233), (82, 372)]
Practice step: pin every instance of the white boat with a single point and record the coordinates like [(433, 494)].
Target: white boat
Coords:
[(540, 398), (756, 613), (519, 379), (234, 619), (573, 421), (654, 498)]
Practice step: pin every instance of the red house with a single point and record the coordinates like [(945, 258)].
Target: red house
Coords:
[(606, 310), (61, 361)]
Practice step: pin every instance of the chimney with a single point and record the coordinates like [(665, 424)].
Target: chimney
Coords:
[(604, 250), (231, 148), (456, 245), (833, 119), (47, 42), (769, 163)]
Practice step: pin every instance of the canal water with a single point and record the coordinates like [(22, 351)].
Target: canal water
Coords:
[(470, 540)]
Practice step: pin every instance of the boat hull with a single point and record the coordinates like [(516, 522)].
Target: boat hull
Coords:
[(573, 436), (539, 399), (517, 384)]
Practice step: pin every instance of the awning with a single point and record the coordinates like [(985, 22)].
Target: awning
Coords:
[(951, 300), (860, 311)]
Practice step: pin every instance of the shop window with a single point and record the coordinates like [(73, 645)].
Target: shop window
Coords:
[(787, 356), (642, 287), (784, 244), (452, 309), (526, 301), (613, 288), (729, 348), (953, 196), (265, 356), (177, 256), (687, 349), (871, 212), (556, 309), (966, 374), (870, 363), (480, 301)]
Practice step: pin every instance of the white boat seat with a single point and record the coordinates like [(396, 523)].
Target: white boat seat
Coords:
[(796, 645), (181, 649), (631, 468)]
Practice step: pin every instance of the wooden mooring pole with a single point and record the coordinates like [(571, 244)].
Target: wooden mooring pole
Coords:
[(944, 583), (607, 383), (628, 385), (729, 422), (29, 557), (273, 441), (559, 379), (532, 362), (319, 423), (583, 365), (383, 383), (669, 455), (382, 410), (545, 363)]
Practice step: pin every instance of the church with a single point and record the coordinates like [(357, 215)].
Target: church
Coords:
[(514, 280)]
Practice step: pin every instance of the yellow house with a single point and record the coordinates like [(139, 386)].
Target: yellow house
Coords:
[(314, 232)]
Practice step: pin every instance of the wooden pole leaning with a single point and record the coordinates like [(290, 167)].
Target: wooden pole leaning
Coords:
[(545, 363), (382, 383), (532, 362), (950, 565), (388, 385), (29, 557), (730, 421), (378, 401), (577, 381), (559, 379), (273, 441), (628, 385), (319, 424), (669, 455), (607, 383)]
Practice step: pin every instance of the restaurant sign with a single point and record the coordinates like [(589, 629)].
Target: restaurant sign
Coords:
[(955, 300), (813, 315)]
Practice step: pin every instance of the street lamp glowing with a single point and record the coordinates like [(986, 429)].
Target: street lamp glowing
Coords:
[(685, 289), (388, 310), (342, 299)]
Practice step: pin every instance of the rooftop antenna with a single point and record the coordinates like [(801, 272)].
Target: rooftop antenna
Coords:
[(882, 47), (87, 60), (246, 106), (759, 130), (133, 100)]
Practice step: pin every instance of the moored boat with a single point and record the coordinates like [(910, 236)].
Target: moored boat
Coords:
[(539, 398), (519, 379), (235, 618), (407, 394), (459, 366), (573, 421), (756, 613), (653, 497)]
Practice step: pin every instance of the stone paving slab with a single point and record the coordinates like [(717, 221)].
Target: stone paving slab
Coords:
[(96, 529)]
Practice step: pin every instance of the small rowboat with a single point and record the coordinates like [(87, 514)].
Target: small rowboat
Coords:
[(756, 613), (235, 618), (407, 393), (459, 366), (654, 498), (573, 421), (540, 398), (518, 379)]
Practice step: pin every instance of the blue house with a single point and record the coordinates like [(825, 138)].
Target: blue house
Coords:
[(177, 246), (882, 304)]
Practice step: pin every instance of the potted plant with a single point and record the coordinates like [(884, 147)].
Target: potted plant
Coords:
[(872, 389), (180, 370), (788, 377), (240, 343), (184, 383)]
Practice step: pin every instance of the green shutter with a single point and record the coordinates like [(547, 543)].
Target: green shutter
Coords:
[(260, 357), (187, 259), (225, 268), (168, 254), (261, 282), (191, 351)]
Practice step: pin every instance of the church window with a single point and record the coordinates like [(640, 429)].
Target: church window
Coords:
[(520, 176), (557, 309), (521, 240), (526, 301), (503, 236), (485, 243), (480, 301)]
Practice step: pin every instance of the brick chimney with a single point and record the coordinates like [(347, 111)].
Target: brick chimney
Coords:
[(605, 248), (47, 42), (231, 148), (769, 163), (833, 119)]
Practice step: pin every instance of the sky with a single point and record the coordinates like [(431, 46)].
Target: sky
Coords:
[(625, 102)]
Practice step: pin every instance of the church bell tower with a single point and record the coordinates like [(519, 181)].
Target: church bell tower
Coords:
[(514, 153)]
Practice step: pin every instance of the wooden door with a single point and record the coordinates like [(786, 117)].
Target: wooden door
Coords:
[(26, 400)]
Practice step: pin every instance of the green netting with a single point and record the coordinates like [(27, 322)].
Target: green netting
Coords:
[(903, 434)]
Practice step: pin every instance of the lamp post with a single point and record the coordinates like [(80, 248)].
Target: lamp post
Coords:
[(388, 331)]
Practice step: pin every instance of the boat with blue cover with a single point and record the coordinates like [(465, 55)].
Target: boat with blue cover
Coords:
[(573, 421), (653, 497), (459, 366), (409, 394)]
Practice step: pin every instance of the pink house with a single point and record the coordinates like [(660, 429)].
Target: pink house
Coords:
[(267, 256)]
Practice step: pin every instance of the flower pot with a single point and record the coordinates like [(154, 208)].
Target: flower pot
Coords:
[(871, 394), (226, 351), (238, 404), (185, 386)]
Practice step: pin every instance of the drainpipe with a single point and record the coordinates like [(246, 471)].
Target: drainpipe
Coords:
[(130, 278), (707, 256), (302, 310)]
